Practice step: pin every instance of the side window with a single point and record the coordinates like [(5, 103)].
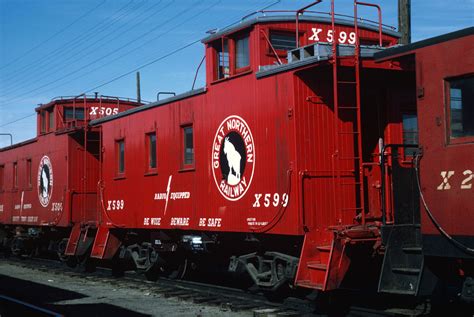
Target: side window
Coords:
[(43, 121), (2, 175), (188, 146), (150, 140), (222, 56), (28, 173), (282, 41), (410, 132), (71, 113), (242, 53), (120, 156), (15, 175), (460, 104), (51, 120)]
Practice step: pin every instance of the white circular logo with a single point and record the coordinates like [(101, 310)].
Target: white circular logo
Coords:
[(45, 181), (233, 158)]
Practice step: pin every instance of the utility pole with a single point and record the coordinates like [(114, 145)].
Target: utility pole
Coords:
[(404, 21), (138, 87)]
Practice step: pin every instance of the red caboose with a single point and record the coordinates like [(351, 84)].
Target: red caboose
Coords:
[(43, 189), (274, 163)]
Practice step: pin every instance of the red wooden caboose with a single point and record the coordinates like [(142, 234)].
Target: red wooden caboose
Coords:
[(274, 164), (49, 182)]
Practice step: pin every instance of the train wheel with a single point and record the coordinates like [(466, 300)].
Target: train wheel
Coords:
[(153, 273), (62, 249), (179, 271)]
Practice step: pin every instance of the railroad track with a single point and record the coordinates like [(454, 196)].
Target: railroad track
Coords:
[(201, 293)]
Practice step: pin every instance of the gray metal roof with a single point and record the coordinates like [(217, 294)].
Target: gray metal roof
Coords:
[(290, 18), (149, 106)]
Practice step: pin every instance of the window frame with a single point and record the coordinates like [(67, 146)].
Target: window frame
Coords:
[(29, 173), (15, 176), (118, 173), (280, 52), (409, 153), (231, 50), (43, 124), (239, 70), (149, 170), (2, 178), (184, 166), (447, 108), (51, 119)]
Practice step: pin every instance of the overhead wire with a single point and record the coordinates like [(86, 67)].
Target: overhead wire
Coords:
[(71, 45), (53, 36), (79, 69), (143, 65), (91, 49)]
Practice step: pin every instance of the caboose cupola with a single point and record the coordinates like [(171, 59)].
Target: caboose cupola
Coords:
[(265, 40)]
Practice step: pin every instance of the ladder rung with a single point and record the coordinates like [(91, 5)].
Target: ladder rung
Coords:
[(346, 82), (350, 158), (351, 183), (349, 108), (352, 209)]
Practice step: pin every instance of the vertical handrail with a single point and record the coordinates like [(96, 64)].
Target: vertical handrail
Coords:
[(298, 12), (335, 166), (379, 11), (84, 179), (358, 110)]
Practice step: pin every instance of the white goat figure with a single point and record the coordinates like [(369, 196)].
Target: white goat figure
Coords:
[(44, 183), (233, 159)]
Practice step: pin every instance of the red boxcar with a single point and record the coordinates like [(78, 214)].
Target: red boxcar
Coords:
[(43, 189)]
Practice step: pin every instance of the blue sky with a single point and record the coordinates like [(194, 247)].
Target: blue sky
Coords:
[(60, 48)]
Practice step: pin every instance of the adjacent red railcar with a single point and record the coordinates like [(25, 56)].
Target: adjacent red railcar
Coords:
[(43, 189), (442, 249)]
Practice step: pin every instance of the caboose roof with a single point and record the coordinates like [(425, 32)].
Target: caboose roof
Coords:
[(291, 18), (402, 50)]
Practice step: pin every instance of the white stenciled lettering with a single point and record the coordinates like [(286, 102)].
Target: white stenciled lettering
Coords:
[(179, 221), (256, 204), (315, 36), (270, 199), (466, 182), (115, 204), (445, 184)]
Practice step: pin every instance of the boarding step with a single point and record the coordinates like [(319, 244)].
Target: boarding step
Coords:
[(403, 261), (323, 51), (316, 265)]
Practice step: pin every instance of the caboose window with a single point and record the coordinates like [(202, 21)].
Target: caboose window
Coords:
[(15, 175), (188, 145), (71, 113), (2, 167), (222, 50), (151, 145), (410, 132), (51, 120), (242, 54), (120, 148), (461, 106), (284, 41), (28, 173), (43, 121)]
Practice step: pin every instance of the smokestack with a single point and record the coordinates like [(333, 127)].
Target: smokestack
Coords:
[(404, 21), (139, 99)]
